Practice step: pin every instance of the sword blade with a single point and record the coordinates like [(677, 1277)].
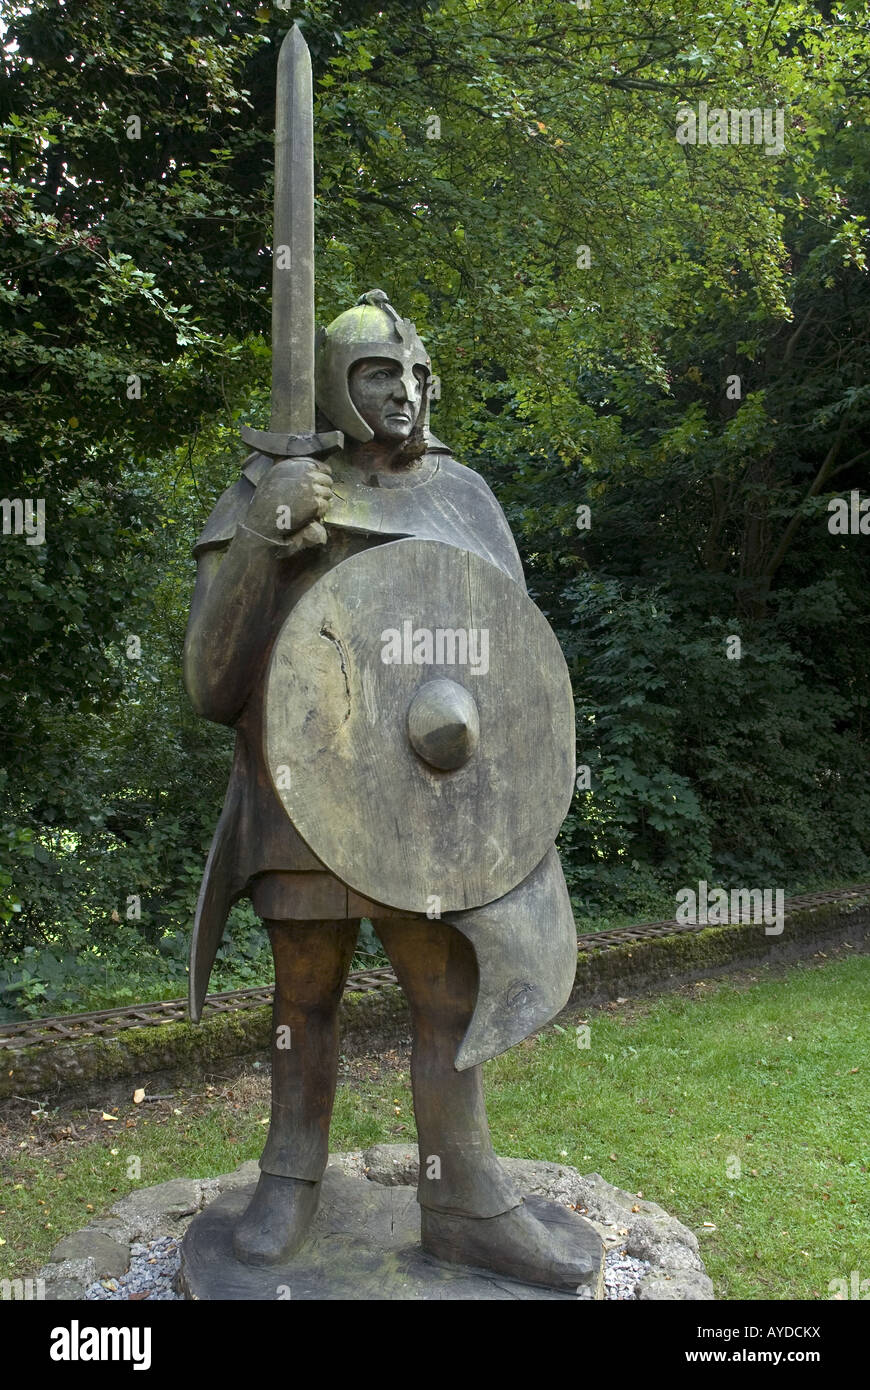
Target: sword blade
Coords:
[(293, 242)]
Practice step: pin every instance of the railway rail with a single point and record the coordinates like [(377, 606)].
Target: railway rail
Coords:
[(66, 1028)]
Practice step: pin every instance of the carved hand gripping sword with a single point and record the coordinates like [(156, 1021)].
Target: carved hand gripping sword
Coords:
[(292, 430)]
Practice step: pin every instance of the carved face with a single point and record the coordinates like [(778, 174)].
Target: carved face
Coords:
[(387, 398)]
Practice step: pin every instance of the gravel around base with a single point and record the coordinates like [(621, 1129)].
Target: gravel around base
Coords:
[(621, 1274), (151, 1275), (153, 1268)]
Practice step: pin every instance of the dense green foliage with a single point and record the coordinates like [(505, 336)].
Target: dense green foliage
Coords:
[(466, 152)]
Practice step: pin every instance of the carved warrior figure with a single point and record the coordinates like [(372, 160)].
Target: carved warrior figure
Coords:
[(419, 793)]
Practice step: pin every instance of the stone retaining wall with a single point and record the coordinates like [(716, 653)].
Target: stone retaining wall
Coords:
[(665, 962), (376, 1021)]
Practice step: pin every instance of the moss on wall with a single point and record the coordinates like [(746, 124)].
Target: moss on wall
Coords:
[(665, 961), (379, 1020)]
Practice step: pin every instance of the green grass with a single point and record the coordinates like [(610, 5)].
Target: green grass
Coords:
[(669, 1098)]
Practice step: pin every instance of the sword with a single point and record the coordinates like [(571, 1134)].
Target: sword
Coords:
[(291, 432)]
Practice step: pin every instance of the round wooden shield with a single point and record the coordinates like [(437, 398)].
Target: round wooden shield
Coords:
[(419, 727)]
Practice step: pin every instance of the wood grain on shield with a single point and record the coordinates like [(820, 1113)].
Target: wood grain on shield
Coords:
[(387, 823)]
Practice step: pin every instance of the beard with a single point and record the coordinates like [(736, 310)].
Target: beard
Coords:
[(413, 448)]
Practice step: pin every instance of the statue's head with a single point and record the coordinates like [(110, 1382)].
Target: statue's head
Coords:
[(372, 375)]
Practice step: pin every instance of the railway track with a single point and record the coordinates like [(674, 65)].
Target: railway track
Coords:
[(66, 1028)]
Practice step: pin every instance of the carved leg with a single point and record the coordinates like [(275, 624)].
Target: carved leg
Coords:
[(311, 964), (436, 968), (471, 1211)]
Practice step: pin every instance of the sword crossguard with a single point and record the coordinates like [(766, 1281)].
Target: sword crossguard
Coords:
[(282, 446)]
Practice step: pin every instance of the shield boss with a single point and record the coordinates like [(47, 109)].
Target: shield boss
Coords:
[(420, 727)]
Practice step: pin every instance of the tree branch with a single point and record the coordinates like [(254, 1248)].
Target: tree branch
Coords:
[(818, 483)]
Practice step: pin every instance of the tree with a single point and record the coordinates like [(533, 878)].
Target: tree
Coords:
[(586, 284)]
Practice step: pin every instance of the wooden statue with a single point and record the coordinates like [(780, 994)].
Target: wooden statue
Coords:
[(404, 750)]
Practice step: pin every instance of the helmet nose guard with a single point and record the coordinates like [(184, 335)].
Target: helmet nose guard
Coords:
[(372, 328)]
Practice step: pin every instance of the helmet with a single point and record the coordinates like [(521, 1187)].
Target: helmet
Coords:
[(371, 329)]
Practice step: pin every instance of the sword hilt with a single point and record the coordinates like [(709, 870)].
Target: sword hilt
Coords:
[(282, 446)]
